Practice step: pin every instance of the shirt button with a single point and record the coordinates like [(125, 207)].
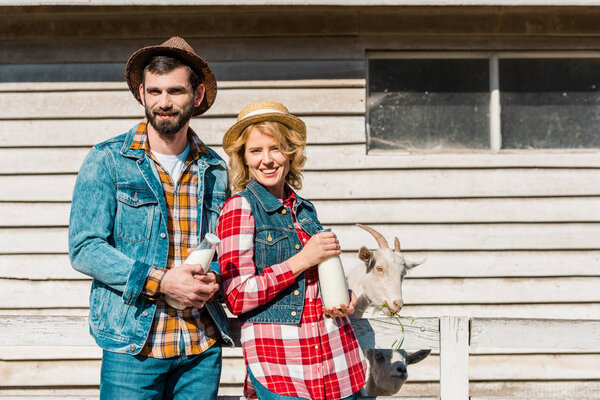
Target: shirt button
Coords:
[(316, 346), (145, 313), (297, 247), (163, 235), (293, 313), (296, 292), (310, 300), (284, 211), (132, 347)]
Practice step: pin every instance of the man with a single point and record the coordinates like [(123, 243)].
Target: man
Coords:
[(141, 200)]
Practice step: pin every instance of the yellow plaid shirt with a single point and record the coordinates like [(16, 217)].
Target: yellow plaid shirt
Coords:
[(171, 326)]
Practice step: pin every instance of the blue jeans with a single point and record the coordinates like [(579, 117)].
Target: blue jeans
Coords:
[(264, 394), (127, 377)]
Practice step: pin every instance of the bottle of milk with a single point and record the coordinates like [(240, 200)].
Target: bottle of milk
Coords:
[(203, 255), (334, 288)]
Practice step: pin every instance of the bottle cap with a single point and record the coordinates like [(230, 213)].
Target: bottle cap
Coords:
[(212, 238)]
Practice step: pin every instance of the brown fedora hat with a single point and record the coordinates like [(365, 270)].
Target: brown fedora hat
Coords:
[(178, 48), (263, 111)]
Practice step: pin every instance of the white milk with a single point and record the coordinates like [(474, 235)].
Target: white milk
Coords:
[(202, 257), (198, 256), (334, 288)]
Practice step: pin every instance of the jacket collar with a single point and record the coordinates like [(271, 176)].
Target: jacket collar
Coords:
[(266, 199)]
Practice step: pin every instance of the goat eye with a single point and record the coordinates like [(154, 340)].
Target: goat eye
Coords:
[(379, 268)]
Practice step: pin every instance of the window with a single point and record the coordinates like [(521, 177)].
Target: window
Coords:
[(475, 101)]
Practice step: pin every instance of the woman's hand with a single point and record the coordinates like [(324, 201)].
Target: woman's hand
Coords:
[(321, 246), (343, 311)]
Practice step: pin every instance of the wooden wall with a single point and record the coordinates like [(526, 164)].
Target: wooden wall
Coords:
[(513, 234)]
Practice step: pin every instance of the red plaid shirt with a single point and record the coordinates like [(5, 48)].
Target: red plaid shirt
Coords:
[(171, 326), (317, 359)]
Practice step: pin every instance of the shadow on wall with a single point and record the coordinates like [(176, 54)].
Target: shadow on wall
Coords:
[(224, 71)]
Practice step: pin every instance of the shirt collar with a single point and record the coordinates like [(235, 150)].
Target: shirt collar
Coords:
[(140, 142), (290, 201)]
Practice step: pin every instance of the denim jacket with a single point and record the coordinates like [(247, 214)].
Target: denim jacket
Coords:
[(276, 240), (118, 230)]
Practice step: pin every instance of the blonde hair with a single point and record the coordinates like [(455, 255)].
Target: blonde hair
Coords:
[(290, 143)]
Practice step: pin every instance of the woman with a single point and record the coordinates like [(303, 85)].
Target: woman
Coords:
[(293, 347)]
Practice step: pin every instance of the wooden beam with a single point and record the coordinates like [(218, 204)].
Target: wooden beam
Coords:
[(521, 333), (442, 264), (387, 211), (49, 133), (474, 292), (376, 184), (519, 310), (225, 70), (298, 18), (454, 358), (427, 237), (121, 104), (321, 156)]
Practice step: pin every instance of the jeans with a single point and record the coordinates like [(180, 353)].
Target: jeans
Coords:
[(264, 394), (127, 377)]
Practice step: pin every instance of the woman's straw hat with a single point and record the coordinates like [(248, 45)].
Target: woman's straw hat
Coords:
[(178, 48), (263, 111)]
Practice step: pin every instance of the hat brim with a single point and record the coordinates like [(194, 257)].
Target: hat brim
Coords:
[(289, 120), (139, 59)]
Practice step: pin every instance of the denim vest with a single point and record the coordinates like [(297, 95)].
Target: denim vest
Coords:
[(276, 240), (118, 229)]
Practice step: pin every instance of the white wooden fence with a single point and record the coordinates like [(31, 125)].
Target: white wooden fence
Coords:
[(452, 337)]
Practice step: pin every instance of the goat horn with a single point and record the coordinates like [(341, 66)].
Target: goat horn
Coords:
[(397, 245), (383, 244)]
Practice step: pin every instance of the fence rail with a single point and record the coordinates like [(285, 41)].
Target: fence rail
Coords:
[(453, 337)]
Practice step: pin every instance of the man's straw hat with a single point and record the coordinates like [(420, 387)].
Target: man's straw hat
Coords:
[(178, 48), (263, 111)]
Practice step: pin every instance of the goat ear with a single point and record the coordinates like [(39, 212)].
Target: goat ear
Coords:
[(365, 255), (412, 264), (417, 356)]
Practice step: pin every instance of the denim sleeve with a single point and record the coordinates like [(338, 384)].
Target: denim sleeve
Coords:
[(91, 223)]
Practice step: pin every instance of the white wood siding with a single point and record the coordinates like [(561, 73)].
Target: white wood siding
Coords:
[(512, 235)]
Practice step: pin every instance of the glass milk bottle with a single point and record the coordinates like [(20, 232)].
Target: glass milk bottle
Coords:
[(203, 255), (334, 288)]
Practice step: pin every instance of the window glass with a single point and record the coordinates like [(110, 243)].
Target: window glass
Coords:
[(428, 104), (550, 103)]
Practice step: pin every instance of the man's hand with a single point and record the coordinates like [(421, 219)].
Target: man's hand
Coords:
[(189, 285)]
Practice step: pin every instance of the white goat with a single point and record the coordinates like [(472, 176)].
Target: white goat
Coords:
[(377, 281), (387, 370)]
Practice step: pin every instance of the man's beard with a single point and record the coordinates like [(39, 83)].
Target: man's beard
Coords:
[(169, 128)]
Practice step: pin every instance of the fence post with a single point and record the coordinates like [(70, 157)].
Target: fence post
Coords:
[(454, 358)]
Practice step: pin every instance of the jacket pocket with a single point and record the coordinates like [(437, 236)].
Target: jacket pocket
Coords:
[(272, 247), (135, 211)]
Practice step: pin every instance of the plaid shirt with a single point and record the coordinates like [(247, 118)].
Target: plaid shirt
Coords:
[(170, 326), (317, 359)]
